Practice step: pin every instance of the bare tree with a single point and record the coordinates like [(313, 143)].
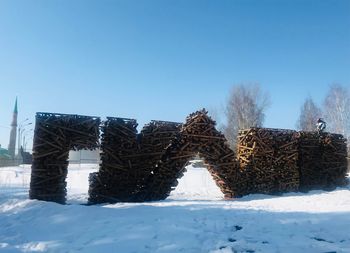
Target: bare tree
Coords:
[(245, 108), (309, 113), (337, 109)]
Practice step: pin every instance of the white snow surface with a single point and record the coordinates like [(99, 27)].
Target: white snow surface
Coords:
[(194, 218)]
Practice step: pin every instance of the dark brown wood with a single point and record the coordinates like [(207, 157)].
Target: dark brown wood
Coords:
[(146, 166), (322, 160), (198, 136), (128, 159), (56, 134), (268, 158)]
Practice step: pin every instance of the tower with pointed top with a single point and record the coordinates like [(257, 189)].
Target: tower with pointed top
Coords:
[(13, 133)]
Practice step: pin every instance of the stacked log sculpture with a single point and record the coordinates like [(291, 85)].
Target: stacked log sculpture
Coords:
[(269, 158), (197, 136), (117, 177), (322, 160), (127, 159), (154, 139), (54, 136), (145, 166)]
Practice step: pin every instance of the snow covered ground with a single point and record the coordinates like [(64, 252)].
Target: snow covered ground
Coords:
[(193, 219)]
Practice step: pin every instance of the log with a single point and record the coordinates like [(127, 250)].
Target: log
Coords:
[(268, 158), (322, 162), (55, 134), (128, 159)]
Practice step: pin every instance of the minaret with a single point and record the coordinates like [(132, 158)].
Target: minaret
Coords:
[(13, 133)]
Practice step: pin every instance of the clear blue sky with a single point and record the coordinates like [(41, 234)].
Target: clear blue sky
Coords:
[(164, 59)]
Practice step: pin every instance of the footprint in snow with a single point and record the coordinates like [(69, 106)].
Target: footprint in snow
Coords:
[(237, 228), (321, 239), (231, 240)]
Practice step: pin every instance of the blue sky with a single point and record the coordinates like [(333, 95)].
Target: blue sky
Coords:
[(164, 59)]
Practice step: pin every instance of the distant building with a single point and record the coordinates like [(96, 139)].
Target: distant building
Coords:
[(84, 156), (13, 133), (4, 154)]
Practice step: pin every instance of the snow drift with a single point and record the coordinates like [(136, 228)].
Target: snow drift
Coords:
[(193, 219)]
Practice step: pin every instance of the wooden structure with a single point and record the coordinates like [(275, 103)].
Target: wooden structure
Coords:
[(145, 166), (269, 160), (197, 136), (55, 135), (322, 160), (128, 158)]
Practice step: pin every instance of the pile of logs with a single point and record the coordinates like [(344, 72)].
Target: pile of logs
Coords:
[(197, 136), (128, 158), (154, 138), (54, 136), (116, 179), (145, 166), (322, 160), (269, 160)]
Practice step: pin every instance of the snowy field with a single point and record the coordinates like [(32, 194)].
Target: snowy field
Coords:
[(193, 219)]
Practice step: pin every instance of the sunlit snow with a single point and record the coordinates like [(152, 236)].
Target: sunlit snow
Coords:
[(194, 218)]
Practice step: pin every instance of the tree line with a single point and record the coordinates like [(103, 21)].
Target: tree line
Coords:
[(247, 104)]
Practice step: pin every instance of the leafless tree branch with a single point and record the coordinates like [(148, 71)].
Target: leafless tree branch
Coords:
[(245, 108)]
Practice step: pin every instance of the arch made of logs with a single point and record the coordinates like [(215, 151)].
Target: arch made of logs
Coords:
[(197, 136), (146, 166)]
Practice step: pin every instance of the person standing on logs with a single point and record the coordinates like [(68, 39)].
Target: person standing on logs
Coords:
[(321, 125)]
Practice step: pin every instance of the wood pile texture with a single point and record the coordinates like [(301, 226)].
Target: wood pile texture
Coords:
[(269, 160), (155, 138), (322, 160), (55, 135), (128, 158), (197, 136), (146, 166)]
